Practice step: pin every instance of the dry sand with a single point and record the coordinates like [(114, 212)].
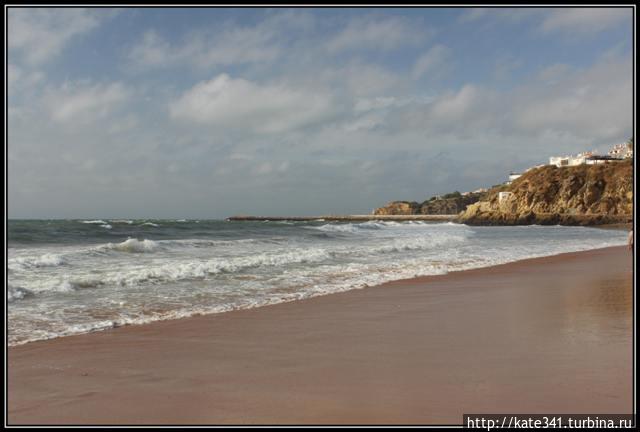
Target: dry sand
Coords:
[(548, 335)]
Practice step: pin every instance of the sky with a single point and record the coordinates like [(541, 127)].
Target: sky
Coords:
[(211, 112)]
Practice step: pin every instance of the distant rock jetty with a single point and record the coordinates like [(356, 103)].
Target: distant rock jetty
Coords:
[(346, 218)]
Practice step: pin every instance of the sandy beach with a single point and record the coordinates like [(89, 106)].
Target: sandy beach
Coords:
[(545, 335)]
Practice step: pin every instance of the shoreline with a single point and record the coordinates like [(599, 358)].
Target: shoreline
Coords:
[(347, 218), (280, 356), (616, 227)]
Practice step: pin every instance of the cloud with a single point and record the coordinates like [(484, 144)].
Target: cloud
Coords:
[(21, 79), (380, 33), (228, 44), (507, 15), (455, 105), (13, 74), (430, 61), (472, 14), (567, 20), (505, 65), (313, 129), (592, 103), (75, 103), (204, 49), (39, 34), (591, 106), (584, 20), (244, 105)]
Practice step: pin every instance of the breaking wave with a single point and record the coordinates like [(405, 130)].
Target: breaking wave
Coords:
[(46, 260), (17, 293), (132, 246)]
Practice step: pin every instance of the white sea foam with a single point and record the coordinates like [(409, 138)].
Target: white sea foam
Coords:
[(149, 224), (177, 271), (28, 262), (82, 287), (17, 293), (361, 227), (97, 221), (132, 246)]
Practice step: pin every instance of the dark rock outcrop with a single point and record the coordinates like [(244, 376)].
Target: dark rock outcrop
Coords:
[(398, 208), (450, 204)]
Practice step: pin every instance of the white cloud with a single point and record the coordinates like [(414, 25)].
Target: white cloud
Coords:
[(380, 33), (585, 20), (472, 14), (366, 122), (505, 65), (152, 51), (455, 105), (430, 61), (360, 79), (552, 74), (20, 79), (229, 44), (13, 74), (507, 15), (204, 49), (241, 104), (593, 103), (84, 102), (39, 34), (368, 104)]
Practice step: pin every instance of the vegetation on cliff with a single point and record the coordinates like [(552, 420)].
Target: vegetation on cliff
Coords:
[(448, 204)]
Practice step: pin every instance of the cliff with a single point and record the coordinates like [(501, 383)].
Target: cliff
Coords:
[(450, 204), (580, 195)]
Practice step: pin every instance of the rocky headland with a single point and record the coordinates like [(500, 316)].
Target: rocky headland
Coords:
[(450, 204), (576, 195)]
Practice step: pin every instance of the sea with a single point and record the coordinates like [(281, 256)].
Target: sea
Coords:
[(67, 277)]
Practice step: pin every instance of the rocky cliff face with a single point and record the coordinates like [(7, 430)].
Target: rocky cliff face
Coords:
[(434, 206), (449, 206), (580, 195), (398, 208)]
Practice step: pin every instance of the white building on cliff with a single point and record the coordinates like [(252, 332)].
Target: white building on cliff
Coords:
[(618, 152), (563, 161), (621, 151)]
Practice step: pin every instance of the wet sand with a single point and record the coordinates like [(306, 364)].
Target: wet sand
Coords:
[(547, 335)]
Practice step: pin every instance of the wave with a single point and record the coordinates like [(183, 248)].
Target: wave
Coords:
[(121, 221), (180, 271), (132, 246), (418, 243), (46, 260), (17, 293), (96, 221), (173, 272), (149, 224), (369, 225)]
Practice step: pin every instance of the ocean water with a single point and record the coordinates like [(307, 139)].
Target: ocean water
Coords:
[(75, 276)]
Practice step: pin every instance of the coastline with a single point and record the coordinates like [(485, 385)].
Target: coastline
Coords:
[(348, 218), (546, 335)]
